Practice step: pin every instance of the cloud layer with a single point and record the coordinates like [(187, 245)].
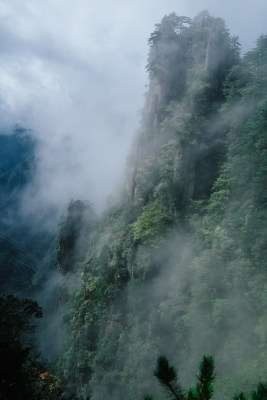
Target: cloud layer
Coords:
[(74, 73)]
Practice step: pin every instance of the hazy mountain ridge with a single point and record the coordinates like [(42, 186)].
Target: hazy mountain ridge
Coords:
[(16, 171), (24, 241), (177, 264)]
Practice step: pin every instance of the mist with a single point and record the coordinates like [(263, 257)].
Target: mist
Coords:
[(74, 75)]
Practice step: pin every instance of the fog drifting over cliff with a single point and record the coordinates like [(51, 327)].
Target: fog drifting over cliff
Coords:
[(74, 74)]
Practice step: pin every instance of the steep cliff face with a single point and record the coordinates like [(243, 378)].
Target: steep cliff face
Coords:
[(146, 140), (187, 63)]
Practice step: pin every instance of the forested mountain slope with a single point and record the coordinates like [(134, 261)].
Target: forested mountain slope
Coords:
[(177, 265)]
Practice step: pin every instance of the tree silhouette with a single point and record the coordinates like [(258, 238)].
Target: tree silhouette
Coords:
[(168, 379)]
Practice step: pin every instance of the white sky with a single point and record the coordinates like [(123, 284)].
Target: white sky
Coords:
[(73, 71)]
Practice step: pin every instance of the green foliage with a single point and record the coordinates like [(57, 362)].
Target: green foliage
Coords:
[(170, 23), (181, 257), (22, 375), (205, 378), (260, 393), (168, 53), (167, 377), (152, 223)]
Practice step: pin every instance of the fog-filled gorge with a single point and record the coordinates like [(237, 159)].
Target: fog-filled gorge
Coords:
[(141, 234), (76, 77)]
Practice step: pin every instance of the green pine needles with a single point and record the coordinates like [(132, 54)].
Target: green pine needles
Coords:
[(167, 376), (259, 394), (205, 379), (168, 379)]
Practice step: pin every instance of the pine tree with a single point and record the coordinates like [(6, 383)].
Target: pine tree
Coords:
[(168, 379), (260, 393), (240, 396), (205, 378)]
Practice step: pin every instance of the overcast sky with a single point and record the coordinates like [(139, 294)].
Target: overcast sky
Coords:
[(73, 71)]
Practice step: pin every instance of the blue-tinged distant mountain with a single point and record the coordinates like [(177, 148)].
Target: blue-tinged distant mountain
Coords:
[(15, 148), (17, 166), (22, 242)]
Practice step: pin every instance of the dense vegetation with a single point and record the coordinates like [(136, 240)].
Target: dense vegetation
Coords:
[(23, 375), (177, 264)]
